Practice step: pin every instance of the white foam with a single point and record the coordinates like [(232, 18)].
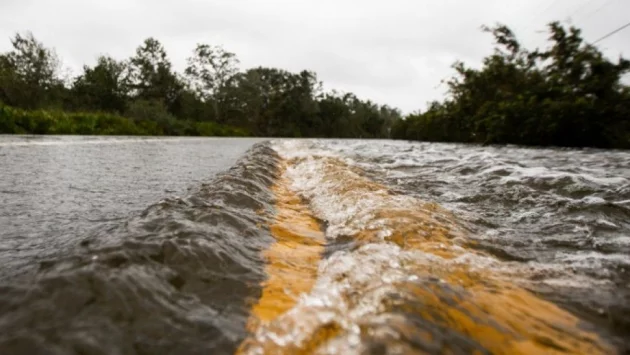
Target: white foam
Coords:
[(345, 214), (350, 291), (351, 285)]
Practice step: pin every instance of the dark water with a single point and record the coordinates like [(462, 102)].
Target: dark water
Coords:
[(54, 190), (140, 246), (171, 278)]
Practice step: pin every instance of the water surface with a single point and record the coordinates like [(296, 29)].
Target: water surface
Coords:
[(144, 246), (55, 189)]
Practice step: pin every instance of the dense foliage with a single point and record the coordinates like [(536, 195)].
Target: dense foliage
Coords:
[(566, 95), (210, 96), (19, 121)]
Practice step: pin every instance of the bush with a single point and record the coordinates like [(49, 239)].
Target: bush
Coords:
[(147, 121)]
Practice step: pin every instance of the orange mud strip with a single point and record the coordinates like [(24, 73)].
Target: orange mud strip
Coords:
[(291, 261), (500, 316)]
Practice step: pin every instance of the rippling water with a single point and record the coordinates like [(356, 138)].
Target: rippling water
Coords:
[(54, 190), (317, 247)]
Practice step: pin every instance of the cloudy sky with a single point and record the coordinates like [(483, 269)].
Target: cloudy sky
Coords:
[(390, 51)]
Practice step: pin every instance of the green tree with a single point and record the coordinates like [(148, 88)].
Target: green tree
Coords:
[(154, 99), (152, 76), (568, 94), (30, 74), (275, 102), (334, 114), (208, 72), (105, 87)]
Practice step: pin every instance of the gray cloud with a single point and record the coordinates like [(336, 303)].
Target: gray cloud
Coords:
[(393, 52)]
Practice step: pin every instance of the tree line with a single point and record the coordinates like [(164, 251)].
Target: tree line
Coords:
[(143, 94), (568, 94)]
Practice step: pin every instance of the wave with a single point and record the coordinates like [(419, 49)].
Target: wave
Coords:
[(175, 279), (340, 247), (411, 282)]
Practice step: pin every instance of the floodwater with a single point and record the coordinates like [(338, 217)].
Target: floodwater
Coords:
[(197, 246), (55, 190)]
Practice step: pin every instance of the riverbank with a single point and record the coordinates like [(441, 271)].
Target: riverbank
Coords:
[(18, 121)]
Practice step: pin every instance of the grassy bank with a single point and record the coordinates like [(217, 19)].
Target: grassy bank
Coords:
[(18, 121)]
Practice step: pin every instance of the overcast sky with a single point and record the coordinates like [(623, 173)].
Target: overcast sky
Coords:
[(391, 51)]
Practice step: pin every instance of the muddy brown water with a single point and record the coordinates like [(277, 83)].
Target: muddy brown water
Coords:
[(122, 245)]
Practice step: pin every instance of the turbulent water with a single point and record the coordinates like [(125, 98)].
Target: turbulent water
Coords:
[(56, 189), (324, 246)]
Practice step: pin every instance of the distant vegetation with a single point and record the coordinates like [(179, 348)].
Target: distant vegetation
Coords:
[(568, 94), (144, 95), (18, 121)]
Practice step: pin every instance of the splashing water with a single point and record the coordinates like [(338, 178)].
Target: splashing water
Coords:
[(342, 247)]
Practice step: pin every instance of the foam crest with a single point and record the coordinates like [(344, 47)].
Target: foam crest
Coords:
[(409, 283)]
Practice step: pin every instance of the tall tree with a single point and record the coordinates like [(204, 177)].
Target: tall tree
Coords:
[(152, 76), (30, 73), (276, 102), (209, 70), (104, 87)]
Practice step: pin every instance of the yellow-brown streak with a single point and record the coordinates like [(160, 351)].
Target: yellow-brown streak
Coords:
[(499, 315), (529, 325), (291, 261)]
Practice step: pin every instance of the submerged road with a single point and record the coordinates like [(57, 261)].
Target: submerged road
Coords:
[(314, 246)]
